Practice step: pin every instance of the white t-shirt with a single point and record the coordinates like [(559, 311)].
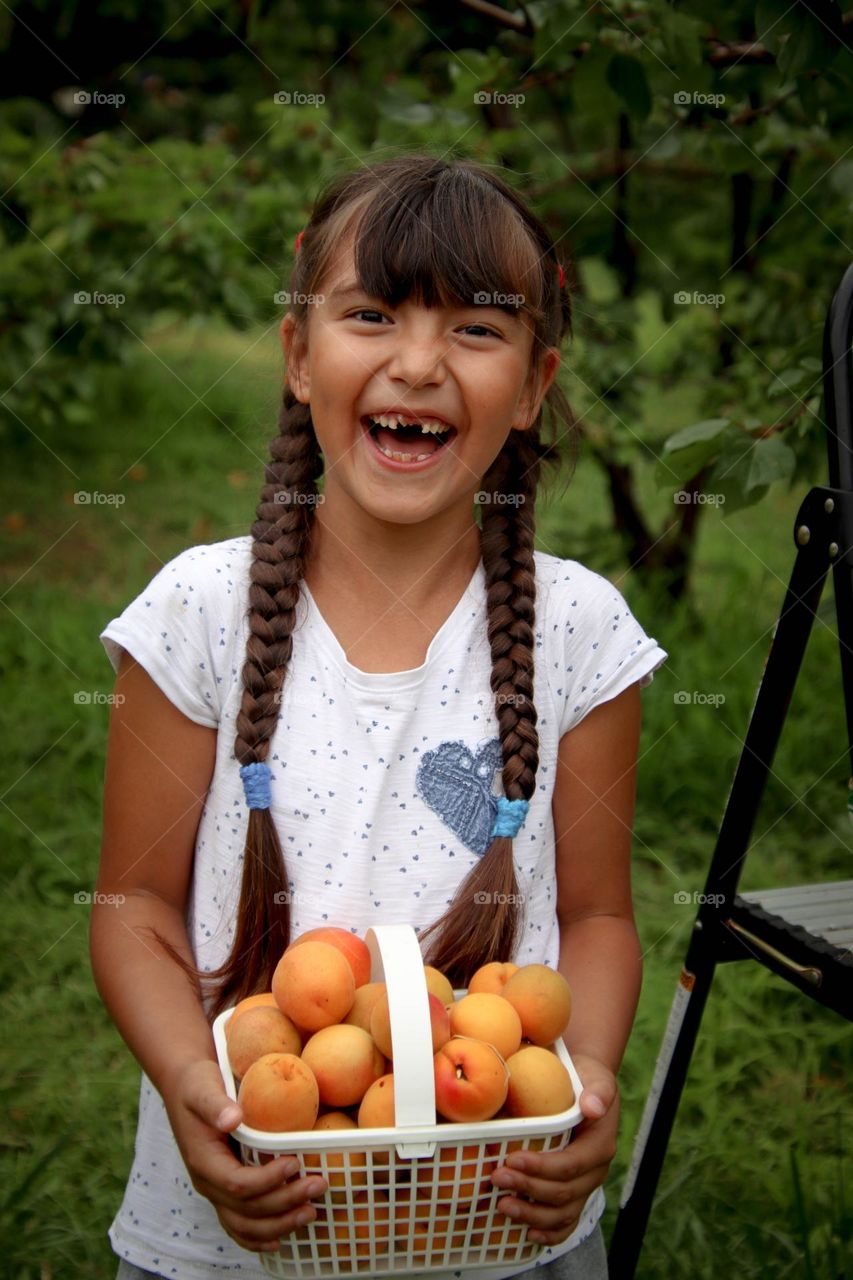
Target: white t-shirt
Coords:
[(384, 792)]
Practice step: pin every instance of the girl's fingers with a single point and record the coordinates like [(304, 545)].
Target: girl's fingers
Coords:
[(551, 1217), (526, 1186), (255, 1233)]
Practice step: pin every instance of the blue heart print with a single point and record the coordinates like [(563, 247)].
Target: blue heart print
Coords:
[(457, 785)]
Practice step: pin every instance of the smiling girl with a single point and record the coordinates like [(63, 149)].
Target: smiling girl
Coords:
[(382, 706)]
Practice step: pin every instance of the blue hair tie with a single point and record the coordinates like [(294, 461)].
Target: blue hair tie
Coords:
[(511, 815), (256, 784)]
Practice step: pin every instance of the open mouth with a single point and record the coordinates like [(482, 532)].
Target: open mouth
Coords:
[(407, 443)]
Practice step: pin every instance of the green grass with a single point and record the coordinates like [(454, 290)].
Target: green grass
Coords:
[(754, 1174)]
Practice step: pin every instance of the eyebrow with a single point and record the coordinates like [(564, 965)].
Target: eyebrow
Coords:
[(353, 289)]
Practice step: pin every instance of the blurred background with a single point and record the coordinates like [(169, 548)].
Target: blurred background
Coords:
[(695, 166)]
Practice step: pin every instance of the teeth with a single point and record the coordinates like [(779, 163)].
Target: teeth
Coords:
[(404, 457), (395, 420)]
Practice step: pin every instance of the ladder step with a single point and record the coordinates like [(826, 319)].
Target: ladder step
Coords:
[(823, 910)]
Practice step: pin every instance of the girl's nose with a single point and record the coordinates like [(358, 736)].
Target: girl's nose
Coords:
[(420, 363)]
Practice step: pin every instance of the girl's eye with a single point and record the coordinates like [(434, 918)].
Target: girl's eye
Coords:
[(489, 333)]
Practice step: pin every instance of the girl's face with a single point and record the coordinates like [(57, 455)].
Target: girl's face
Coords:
[(470, 366)]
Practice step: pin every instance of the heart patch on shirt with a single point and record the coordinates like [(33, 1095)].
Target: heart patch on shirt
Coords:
[(457, 785)]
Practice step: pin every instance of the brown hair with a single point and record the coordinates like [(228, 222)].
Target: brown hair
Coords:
[(441, 231)]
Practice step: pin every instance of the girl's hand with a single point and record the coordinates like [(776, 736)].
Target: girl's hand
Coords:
[(560, 1182), (255, 1204)]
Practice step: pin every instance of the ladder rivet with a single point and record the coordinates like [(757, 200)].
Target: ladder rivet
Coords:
[(697, 926), (829, 505), (803, 534), (833, 550)]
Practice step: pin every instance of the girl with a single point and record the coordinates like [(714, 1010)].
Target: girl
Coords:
[(332, 721)]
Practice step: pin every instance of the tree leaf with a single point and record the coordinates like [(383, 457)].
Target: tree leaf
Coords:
[(627, 76), (770, 459)]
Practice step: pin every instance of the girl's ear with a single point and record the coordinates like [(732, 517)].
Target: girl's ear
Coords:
[(294, 357), (536, 388)]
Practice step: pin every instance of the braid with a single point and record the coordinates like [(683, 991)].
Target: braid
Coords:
[(474, 931), (281, 534)]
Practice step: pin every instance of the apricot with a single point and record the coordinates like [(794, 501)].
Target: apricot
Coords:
[(543, 1001), (365, 998), (377, 1105), (337, 1162), (470, 1184), (314, 985), (471, 1080), (438, 985), (265, 998), (345, 1061), (365, 1226), (257, 1031), (279, 1094), (487, 1017), (539, 1084), (380, 1024), (492, 978), (349, 944)]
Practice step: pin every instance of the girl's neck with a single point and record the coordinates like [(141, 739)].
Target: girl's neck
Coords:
[(381, 572)]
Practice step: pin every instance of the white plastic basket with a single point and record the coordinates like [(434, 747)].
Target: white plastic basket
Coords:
[(416, 1197)]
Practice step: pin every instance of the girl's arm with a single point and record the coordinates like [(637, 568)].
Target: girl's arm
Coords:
[(159, 767), (600, 957)]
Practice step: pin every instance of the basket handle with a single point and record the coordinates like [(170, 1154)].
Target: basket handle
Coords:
[(396, 960)]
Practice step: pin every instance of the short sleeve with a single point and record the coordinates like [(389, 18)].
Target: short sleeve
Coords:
[(172, 630), (604, 648)]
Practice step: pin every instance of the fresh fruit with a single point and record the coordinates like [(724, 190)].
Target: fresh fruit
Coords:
[(279, 1094), (438, 985), (264, 999), (314, 985), (337, 1162), (539, 1084), (349, 944), (377, 1105), (257, 1031), (365, 998), (487, 1017), (380, 1024), (370, 1227), (471, 1080), (492, 978), (345, 1061), (543, 1001)]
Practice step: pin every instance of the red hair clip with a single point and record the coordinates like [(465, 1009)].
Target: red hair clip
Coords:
[(298, 241)]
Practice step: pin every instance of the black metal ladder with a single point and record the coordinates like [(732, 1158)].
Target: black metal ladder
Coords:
[(802, 934)]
